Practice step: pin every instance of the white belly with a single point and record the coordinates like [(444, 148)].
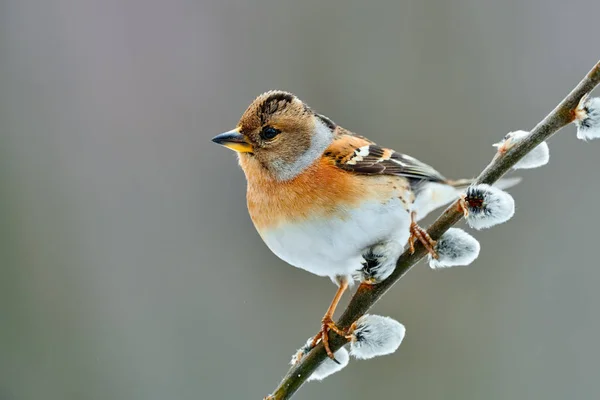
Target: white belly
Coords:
[(332, 247)]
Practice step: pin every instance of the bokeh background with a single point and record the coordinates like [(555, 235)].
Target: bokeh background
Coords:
[(129, 268)]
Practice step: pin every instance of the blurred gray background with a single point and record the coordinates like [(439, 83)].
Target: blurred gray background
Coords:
[(129, 268)]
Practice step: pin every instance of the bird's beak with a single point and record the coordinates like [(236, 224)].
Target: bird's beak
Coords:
[(234, 140)]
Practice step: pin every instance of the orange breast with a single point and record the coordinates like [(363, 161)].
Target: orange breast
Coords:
[(322, 191)]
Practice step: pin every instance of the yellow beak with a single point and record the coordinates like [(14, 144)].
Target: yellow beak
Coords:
[(234, 140)]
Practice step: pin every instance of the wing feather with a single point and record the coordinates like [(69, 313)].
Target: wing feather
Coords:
[(357, 154)]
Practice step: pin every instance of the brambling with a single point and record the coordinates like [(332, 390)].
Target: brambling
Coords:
[(329, 201)]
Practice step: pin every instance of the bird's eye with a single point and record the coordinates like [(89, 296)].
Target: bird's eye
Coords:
[(268, 132)]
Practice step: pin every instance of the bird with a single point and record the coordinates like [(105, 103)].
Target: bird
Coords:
[(330, 201)]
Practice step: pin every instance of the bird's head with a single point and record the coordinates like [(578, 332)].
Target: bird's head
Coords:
[(281, 133)]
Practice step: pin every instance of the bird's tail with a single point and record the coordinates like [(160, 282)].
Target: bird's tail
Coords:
[(433, 195)]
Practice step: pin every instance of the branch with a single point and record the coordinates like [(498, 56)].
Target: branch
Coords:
[(367, 295)]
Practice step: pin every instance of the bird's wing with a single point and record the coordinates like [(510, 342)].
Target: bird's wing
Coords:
[(358, 154)]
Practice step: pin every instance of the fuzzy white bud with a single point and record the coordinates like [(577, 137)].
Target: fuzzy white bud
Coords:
[(327, 367), (301, 352), (537, 157), (455, 247), (488, 206), (374, 335), (379, 261), (587, 118)]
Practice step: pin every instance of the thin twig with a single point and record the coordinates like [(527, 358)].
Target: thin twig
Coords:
[(367, 295)]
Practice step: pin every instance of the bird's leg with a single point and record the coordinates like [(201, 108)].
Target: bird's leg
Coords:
[(327, 323), (420, 234)]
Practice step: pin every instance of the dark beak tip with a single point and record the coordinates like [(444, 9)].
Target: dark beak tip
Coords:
[(228, 137), (234, 140)]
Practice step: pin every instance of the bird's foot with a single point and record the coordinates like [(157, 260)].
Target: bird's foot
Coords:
[(420, 234), (327, 324)]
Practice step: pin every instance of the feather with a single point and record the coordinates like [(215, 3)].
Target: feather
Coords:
[(356, 154)]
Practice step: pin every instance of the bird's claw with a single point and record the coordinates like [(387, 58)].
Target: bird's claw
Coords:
[(420, 234), (327, 324)]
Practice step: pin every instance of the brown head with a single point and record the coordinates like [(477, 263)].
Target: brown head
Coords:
[(279, 133)]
